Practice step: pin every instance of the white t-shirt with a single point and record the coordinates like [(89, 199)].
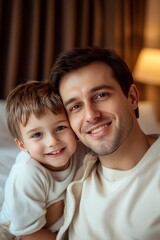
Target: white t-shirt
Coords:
[(31, 188), (107, 204)]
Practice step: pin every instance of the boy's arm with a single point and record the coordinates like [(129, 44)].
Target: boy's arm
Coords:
[(54, 212), (40, 235)]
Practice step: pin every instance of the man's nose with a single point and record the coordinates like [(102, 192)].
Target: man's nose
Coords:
[(92, 112)]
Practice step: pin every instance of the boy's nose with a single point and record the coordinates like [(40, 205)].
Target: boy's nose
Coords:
[(53, 140)]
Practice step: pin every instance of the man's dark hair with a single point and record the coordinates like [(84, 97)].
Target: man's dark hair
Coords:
[(80, 57)]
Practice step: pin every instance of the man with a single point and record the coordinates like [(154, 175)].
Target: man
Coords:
[(116, 196)]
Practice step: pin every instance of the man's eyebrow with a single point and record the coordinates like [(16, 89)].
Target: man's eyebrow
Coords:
[(69, 101), (101, 87), (92, 90)]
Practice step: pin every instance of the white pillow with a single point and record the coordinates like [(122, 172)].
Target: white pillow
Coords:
[(8, 150)]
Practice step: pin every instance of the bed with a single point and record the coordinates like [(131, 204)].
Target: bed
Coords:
[(8, 150)]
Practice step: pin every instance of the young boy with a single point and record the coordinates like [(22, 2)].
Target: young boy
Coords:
[(35, 189)]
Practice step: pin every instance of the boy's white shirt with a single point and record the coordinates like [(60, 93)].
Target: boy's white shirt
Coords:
[(31, 188), (126, 207)]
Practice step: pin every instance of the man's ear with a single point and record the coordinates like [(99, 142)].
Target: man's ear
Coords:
[(133, 96), (20, 144)]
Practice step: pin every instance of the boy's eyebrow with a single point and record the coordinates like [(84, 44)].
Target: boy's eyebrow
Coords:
[(94, 89), (32, 130), (38, 129)]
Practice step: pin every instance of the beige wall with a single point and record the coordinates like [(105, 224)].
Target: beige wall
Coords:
[(152, 24), (152, 39)]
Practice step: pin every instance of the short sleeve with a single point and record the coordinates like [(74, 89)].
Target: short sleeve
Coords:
[(25, 198)]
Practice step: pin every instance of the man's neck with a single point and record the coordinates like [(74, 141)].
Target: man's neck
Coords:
[(129, 153)]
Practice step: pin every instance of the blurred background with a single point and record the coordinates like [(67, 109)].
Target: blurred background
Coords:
[(34, 32)]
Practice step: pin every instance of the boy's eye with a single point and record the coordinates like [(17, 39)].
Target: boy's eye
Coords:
[(60, 128), (37, 135)]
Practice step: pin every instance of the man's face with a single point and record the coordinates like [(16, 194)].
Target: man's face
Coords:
[(98, 111)]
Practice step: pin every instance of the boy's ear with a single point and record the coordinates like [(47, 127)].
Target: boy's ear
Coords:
[(20, 145)]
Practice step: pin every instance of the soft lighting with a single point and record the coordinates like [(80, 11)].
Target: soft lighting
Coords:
[(147, 68)]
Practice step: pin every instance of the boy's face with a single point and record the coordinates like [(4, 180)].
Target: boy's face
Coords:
[(48, 139)]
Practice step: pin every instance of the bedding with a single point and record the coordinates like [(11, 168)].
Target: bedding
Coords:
[(6, 235), (8, 150)]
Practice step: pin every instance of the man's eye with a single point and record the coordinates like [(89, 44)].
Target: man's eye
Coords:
[(74, 107), (37, 135), (101, 95), (60, 128)]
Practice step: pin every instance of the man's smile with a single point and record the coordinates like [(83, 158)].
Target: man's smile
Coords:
[(99, 129)]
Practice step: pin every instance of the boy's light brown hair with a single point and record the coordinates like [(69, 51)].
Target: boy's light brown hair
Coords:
[(27, 98)]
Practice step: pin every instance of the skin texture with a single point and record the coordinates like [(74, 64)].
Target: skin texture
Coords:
[(40, 235), (51, 141), (102, 116)]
